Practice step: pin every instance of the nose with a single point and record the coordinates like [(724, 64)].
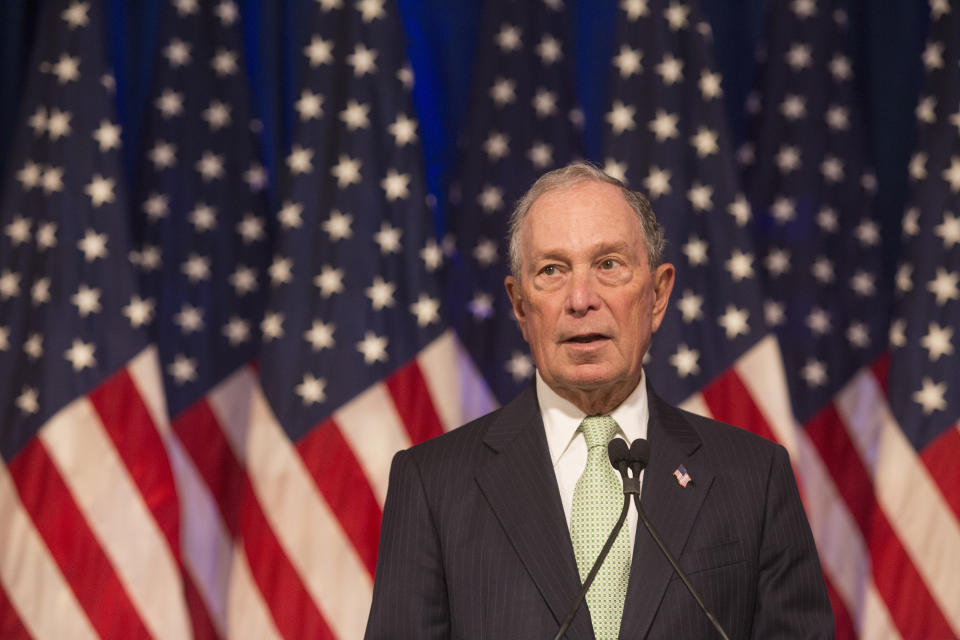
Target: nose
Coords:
[(582, 294)]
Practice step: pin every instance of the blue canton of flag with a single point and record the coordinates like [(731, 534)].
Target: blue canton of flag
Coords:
[(522, 124)]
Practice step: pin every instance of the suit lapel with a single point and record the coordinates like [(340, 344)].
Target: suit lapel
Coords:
[(520, 485), (671, 508)]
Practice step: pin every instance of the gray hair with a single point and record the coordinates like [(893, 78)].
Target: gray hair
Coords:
[(569, 176)]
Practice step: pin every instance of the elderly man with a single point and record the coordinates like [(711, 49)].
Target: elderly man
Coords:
[(489, 530)]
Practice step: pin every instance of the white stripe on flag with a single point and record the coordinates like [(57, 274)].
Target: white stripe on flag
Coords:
[(304, 526), (915, 507), (457, 389), (31, 578), (144, 370), (761, 371), (374, 430), (696, 404), (248, 617)]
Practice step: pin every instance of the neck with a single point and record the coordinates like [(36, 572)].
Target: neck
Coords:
[(600, 401)]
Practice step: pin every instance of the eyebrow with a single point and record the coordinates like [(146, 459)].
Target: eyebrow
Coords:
[(560, 256)]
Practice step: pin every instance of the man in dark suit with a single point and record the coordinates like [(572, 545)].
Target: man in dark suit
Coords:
[(488, 530)]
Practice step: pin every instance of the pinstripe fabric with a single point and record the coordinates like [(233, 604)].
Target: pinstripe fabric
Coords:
[(474, 543)]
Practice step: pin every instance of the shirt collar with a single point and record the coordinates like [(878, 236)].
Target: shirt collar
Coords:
[(561, 418)]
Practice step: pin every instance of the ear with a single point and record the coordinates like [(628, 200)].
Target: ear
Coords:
[(516, 301), (663, 279)]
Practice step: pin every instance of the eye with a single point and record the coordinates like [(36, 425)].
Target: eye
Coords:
[(549, 270), (608, 264)]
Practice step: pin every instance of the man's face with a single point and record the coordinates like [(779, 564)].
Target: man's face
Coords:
[(587, 302)]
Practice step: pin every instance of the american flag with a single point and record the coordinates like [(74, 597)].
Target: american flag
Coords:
[(89, 520), (884, 529), (523, 123)]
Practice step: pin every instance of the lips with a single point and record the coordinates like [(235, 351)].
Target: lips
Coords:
[(586, 338)]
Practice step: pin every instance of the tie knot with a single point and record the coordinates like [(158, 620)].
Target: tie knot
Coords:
[(598, 430)]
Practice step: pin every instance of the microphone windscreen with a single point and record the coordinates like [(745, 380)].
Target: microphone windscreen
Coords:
[(618, 452), (640, 452)]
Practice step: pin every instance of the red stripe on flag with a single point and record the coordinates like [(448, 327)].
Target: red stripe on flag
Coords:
[(340, 478), (200, 433), (128, 423), (294, 611), (73, 545), (841, 616), (911, 606), (11, 627), (881, 369), (414, 404), (731, 402), (940, 458), (200, 621)]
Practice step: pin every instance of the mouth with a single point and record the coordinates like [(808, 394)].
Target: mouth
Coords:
[(586, 338)]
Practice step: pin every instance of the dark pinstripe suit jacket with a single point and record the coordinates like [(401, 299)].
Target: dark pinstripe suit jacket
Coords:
[(474, 542)]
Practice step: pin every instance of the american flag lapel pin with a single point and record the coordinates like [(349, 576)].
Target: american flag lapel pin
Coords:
[(683, 478)]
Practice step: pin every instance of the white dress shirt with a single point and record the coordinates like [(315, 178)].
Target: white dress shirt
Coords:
[(568, 447)]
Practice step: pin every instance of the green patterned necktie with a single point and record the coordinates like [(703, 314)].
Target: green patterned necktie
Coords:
[(597, 501)]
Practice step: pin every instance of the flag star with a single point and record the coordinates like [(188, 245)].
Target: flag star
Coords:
[(503, 91), (952, 174), (481, 305), (549, 50), (362, 60), (52, 180), (251, 228), (710, 85), (210, 166), (329, 281), (163, 155), (867, 233), (740, 210), (396, 185), (783, 209), (931, 396), (256, 177), (33, 346), (788, 158), (773, 313), (838, 118), (577, 119), (705, 142), (827, 220), (319, 51), (814, 373), (272, 326), (628, 61), (388, 237), (183, 369), (696, 251), (485, 252), (777, 262), (944, 286), (29, 175), (818, 321), (9, 284), (224, 62), (373, 348), (148, 259), (170, 103), (804, 8), (189, 318), (822, 270), (664, 125), (244, 280), (139, 311), (18, 230), (519, 366), (320, 335), (426, 309), (746, 154), (734, 321), (58, 124), (832, 169), (217, 115), (108, 82), (4, 338), (840, 68), (949, 230), (701, 196), (337, 226), (508, 38), (544, 103), (690, 306), (677, 15), (858, 335), (40, 291), (76, 15), (100, 190), (330, 5), (490, 198), (740, 265), (346, 171), (227, 12), (616, 169), (355, 115), (177, 53), (933, 56), (904, 278), (196, 268), (203, 217), (310, 105), (496, 145), (371, 10), (93, 245), (670, 69), (237, 331), (312, 390), (290, 215), (799, 56), (300, 160), (86, 300), (540, 154), (405, 76), (28, 401), (911, 222), (38, 121), (403, 130), (918, 166), (869, 182), (67, 69), (939, 8), (186, 7), (937, 341), (657, 182), (280, 271), (685, 361), (926, 109), (634, 9), (81, 355)]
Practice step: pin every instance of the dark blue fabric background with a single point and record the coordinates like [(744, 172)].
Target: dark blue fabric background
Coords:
[(888, 38)]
